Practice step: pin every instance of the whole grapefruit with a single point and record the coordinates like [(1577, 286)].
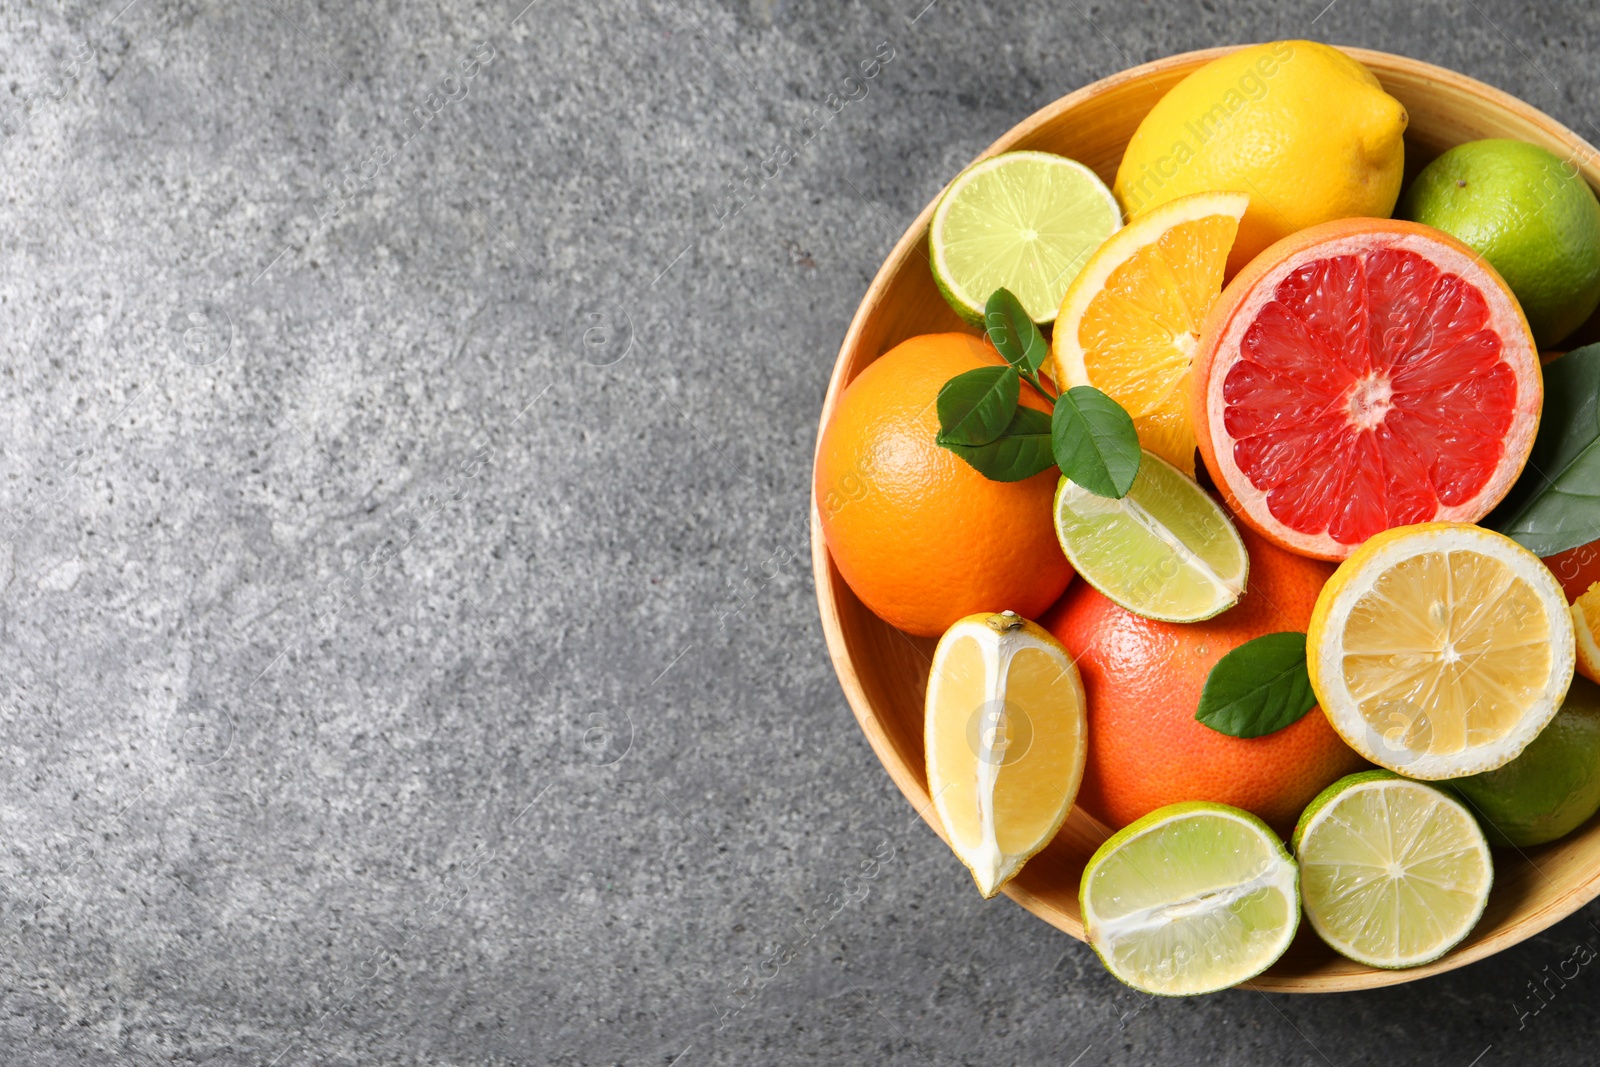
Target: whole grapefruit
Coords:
[(921, 537), (1143, 680)]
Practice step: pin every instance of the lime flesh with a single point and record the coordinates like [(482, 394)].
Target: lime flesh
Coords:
[(1394, 873), (1192, 898), (1166, 551), (1023, 221)]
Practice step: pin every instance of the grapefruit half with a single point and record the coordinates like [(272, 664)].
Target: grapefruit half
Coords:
[(1360, 375)]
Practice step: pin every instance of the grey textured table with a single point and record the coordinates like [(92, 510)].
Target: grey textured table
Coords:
[(407, 642)]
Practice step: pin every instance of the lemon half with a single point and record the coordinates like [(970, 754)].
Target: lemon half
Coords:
[(1440, 649)]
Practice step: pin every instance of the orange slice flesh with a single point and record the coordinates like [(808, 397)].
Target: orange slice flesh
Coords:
[(1131, 319), (1586, 621)]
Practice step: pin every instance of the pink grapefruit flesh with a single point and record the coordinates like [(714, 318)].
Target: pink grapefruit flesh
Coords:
[(1361, 375)]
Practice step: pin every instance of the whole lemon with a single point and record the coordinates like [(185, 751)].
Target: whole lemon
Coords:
[(1303, 129), (923, 538)]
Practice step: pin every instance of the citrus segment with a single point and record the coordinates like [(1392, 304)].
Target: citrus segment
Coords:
[(1192, 898), (1004, 734), (1362, 375), (1394, 873), (1440, 650), (1164, 551), (1129, 323), (1023, 221)]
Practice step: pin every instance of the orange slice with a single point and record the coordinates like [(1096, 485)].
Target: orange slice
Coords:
[(1131, 319), (1586, 621)]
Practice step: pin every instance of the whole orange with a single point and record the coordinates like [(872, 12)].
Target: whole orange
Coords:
[(1143, 680), (922, 537)]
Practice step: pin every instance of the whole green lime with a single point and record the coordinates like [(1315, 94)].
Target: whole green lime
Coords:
[(1530, 214), (1552, 787)]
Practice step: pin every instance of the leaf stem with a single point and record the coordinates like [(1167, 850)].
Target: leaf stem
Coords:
[(1032, 378)]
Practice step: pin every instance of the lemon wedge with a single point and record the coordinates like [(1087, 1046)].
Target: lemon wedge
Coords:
[(1005, 740)]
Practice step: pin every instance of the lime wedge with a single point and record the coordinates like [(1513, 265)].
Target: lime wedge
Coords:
[(1166, 551), (1192, 898), (1023, 221), (1394, 872)]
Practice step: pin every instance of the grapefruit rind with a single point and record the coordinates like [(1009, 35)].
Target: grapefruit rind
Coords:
[(1356, 578), (1257, 285)]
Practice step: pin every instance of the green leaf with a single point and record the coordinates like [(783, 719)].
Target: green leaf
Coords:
[(976, 406), (1094, 441), (1555, 505), (1021, 452), (1259, 687), (1014, 333)]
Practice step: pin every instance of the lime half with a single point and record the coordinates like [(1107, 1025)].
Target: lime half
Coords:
[(1192, 898), (1394, 872), (1166, 551), (1023, 221)]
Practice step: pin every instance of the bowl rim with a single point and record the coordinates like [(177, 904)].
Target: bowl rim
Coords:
[(1516, 931)]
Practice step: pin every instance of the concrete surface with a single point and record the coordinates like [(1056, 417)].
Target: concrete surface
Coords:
[(407, 649)]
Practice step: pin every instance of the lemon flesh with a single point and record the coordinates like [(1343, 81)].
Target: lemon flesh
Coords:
[(1166, 551), (1130, 322), (1004, 735), (1394, 873), (1440, 649), (1192, 898), (1023, 221)]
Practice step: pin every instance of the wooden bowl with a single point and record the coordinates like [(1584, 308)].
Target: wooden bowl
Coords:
[(884, 671)]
